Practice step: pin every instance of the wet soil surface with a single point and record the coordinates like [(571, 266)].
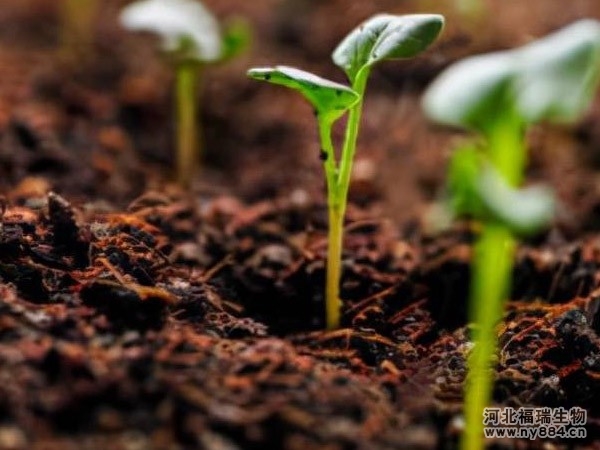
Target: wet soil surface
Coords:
[(135, 315)]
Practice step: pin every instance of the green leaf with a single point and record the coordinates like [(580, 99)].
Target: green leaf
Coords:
[(329, 99), (524, 211), (559, 73), (463, 172), (473, 93), (477, 190), (551, 79), (386, 36), (187, 29)]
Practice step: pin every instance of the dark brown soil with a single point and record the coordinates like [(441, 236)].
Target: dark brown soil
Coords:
[(135, 315)]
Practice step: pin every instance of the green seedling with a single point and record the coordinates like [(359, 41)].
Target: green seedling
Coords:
[(498, 96), (191, 39), (382, 37)]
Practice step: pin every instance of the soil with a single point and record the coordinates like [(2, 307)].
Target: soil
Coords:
[(137, 315)]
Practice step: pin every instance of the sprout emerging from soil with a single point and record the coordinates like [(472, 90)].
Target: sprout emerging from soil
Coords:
[(498, 95), (382, 37), (191, 37)]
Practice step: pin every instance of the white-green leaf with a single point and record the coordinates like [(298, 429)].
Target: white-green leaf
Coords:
[(551, 79), (463, 172), (329, 99), (386, 36), (477, 190), (524, 211), (559, 73), (185, 27), (474, 92)]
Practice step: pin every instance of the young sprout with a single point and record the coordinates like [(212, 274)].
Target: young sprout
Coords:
[(498, 95), (382, 37), (191, 38)]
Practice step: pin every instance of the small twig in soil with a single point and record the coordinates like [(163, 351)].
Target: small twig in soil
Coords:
[(373, 298), (210, 273), (113, 270)]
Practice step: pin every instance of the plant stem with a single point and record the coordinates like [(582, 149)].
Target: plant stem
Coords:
[(336, 227), (334, 267), (186, 82), (338, 184), (507, 151), (491, 280), (359, 85), (492, 267), (328, 155)]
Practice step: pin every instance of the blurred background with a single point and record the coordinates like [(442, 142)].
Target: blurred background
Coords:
[(100, 124)]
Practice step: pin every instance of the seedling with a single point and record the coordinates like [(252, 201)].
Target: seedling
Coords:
[(382, 37), (498, 96), (191, 38)]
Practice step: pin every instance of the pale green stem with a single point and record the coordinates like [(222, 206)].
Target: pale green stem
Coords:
[(186, 83), (491, 280), (507, 151), (359, 85), (329, 163), (336, 228), (334, 268), (338, 183), (492, 267)]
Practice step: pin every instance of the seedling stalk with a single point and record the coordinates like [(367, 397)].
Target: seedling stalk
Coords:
[(349, 149), (338, 186), (336, 225), (492, 269), (187, 136)]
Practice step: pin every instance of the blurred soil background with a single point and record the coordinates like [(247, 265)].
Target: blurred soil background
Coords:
[(260, 141)]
